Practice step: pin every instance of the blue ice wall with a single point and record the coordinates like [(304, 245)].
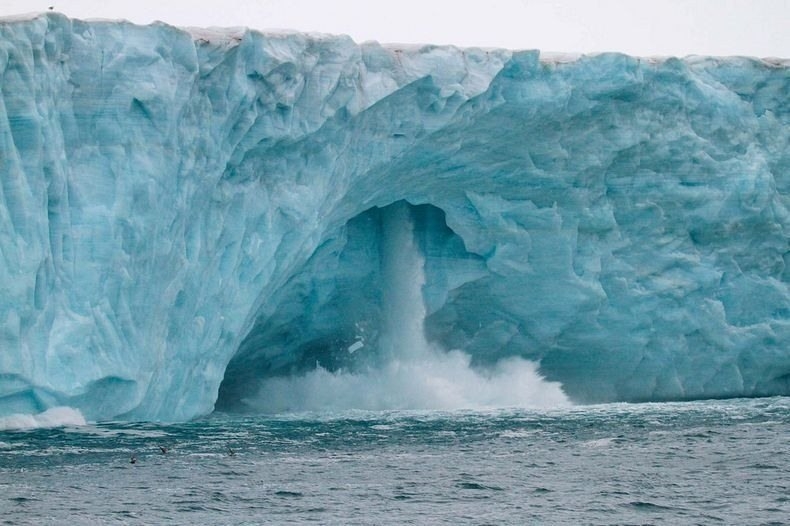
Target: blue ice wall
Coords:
[(172, 202)]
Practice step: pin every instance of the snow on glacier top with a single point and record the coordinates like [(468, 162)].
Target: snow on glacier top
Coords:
[(21, 17), (638, 28), (232, 34)]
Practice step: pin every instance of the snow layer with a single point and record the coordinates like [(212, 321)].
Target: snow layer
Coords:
[(181, 207)]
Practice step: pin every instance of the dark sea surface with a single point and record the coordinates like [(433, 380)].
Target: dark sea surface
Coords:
[(711, 462)]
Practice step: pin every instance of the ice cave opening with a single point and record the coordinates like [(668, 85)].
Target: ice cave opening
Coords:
[(364, 325)]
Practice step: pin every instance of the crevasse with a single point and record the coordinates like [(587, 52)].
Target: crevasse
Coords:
[(185, 212)]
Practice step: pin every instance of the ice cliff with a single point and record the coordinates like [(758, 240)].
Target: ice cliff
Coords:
[(184, 210)]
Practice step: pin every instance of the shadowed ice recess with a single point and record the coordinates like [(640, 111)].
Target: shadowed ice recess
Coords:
[(406, 371), (199, 219)]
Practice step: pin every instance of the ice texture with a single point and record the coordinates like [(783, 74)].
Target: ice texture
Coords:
[(185, 209)]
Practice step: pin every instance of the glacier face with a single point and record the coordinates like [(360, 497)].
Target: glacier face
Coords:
[(182, 207)]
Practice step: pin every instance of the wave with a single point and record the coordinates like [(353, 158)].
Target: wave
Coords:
[(55, 417)]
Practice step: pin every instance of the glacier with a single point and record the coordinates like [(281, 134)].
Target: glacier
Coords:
[(185, 212)]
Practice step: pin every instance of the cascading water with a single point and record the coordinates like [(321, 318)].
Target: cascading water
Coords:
[(407, 371), (403, 276)]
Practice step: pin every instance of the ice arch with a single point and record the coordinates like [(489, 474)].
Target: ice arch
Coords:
[(348, 330), (332, 310)]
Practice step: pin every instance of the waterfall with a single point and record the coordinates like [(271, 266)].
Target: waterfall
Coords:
[(403, 276)]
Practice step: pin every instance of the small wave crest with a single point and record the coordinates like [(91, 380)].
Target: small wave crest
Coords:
[(54, 417)]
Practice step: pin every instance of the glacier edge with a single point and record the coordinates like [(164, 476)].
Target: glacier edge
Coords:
[(178, 208)]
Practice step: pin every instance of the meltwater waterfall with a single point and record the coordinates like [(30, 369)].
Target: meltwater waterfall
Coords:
[(403, 276)]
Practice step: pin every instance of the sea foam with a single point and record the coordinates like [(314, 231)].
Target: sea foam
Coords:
[(61, 416)]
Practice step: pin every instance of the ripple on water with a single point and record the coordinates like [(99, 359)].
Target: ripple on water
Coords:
[(23, 500), (648, 506), (478, 486), (289, 494), (761, 466)]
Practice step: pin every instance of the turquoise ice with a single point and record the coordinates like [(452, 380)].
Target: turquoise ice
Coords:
[(184, 212)]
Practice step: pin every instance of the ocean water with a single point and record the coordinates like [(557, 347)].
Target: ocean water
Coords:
[(709, 462)]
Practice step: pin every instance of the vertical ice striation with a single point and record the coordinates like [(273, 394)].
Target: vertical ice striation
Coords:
[(181, 207)]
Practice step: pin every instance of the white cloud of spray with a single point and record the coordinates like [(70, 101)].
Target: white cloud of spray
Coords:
[(437, 380), (53, 417)]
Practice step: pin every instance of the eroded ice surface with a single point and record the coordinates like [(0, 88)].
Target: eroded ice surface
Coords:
[(181, 207)]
